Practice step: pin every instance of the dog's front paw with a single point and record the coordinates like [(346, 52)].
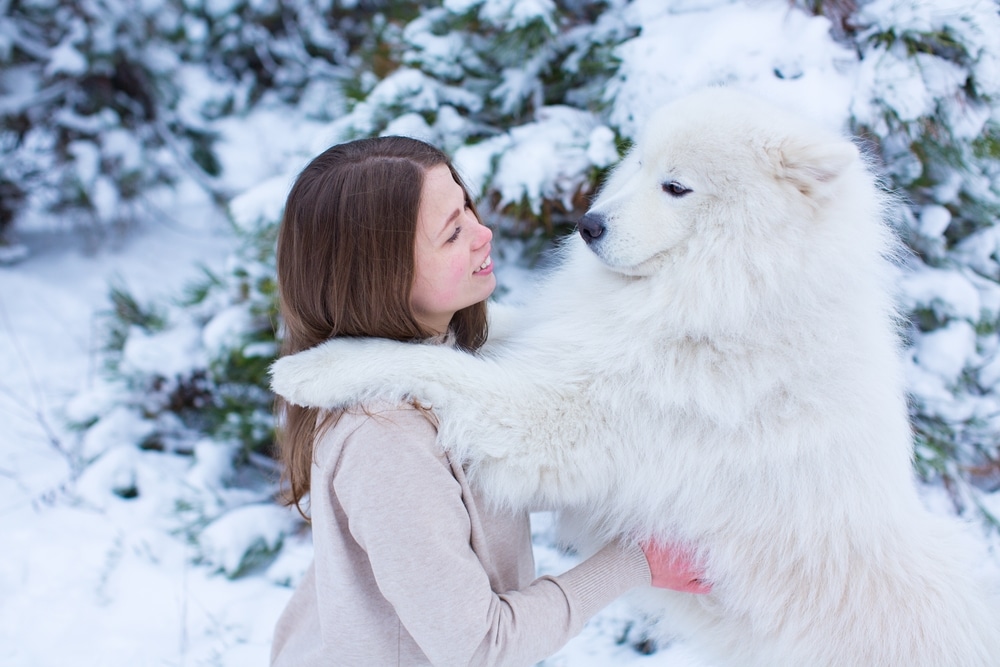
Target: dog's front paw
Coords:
[(330, 375)]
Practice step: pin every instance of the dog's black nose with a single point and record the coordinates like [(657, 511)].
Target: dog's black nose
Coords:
[(590, 226)]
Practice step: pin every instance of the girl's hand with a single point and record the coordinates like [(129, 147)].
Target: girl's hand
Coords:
[(674, 568)]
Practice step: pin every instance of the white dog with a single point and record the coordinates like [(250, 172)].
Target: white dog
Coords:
[(714, 362)]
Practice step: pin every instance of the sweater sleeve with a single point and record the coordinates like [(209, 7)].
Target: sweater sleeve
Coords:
[(405, 509)]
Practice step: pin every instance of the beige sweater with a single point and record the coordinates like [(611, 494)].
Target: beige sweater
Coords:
[(411, 568)]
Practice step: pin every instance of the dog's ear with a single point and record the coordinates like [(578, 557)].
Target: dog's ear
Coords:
[(811, 166)]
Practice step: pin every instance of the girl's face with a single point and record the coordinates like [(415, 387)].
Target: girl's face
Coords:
[(453, 265)]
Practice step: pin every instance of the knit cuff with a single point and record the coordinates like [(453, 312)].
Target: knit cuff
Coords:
[(606, 575)]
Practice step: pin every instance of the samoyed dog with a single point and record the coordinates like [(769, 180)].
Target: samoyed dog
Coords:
[(714, 362)]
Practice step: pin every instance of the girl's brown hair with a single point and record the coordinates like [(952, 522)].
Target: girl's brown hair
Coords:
[(345, 263)]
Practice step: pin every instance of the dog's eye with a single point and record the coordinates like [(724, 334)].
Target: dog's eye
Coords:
[(675, 189)]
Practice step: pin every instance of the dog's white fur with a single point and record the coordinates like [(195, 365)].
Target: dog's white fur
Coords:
[(718, 368)]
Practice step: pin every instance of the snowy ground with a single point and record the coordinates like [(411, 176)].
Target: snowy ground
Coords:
[(77, 583), (80, 584)]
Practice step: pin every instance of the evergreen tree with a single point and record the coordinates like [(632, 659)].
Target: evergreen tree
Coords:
[(107, 102)]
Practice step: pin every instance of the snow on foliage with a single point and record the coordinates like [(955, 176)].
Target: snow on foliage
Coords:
[(232, 541), (770, 47), (104, 103), (928, 89)]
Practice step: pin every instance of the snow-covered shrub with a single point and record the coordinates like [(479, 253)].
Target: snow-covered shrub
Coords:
[(85, 88), (105, 103), (202, 360), (185, 388), (494, 82)]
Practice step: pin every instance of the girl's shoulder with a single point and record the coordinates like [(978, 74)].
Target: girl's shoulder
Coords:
[(379, 415), (379, 429)]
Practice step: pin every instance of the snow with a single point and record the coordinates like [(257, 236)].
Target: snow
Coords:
[(934, 219), (546, 157), (119, 428), (510, 15), (947, 351), (947, 292), (226, 540), (66, 60), (443, 55), (261, 203), (172, 352), (708, 42), (225, 330), (93, 574), (86, 576)]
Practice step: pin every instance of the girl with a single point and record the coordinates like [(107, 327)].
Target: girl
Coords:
[(411, 567)]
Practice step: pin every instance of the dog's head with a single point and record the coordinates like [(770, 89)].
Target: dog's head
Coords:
[(712, 170)]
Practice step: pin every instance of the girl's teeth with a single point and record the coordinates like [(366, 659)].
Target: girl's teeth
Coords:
[(488, 261)]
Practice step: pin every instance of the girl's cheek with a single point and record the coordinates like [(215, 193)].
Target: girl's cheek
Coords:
[(449, 281), (458, 270)]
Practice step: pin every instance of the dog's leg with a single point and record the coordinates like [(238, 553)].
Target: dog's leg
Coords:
[(346, 371), (510, 424)]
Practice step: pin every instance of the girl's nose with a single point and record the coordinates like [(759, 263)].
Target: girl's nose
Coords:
[(485, 235)]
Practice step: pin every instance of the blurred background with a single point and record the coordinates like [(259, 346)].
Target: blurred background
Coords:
[(146, 148)]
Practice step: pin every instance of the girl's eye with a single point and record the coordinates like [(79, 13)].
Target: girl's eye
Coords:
[(454, 237)]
